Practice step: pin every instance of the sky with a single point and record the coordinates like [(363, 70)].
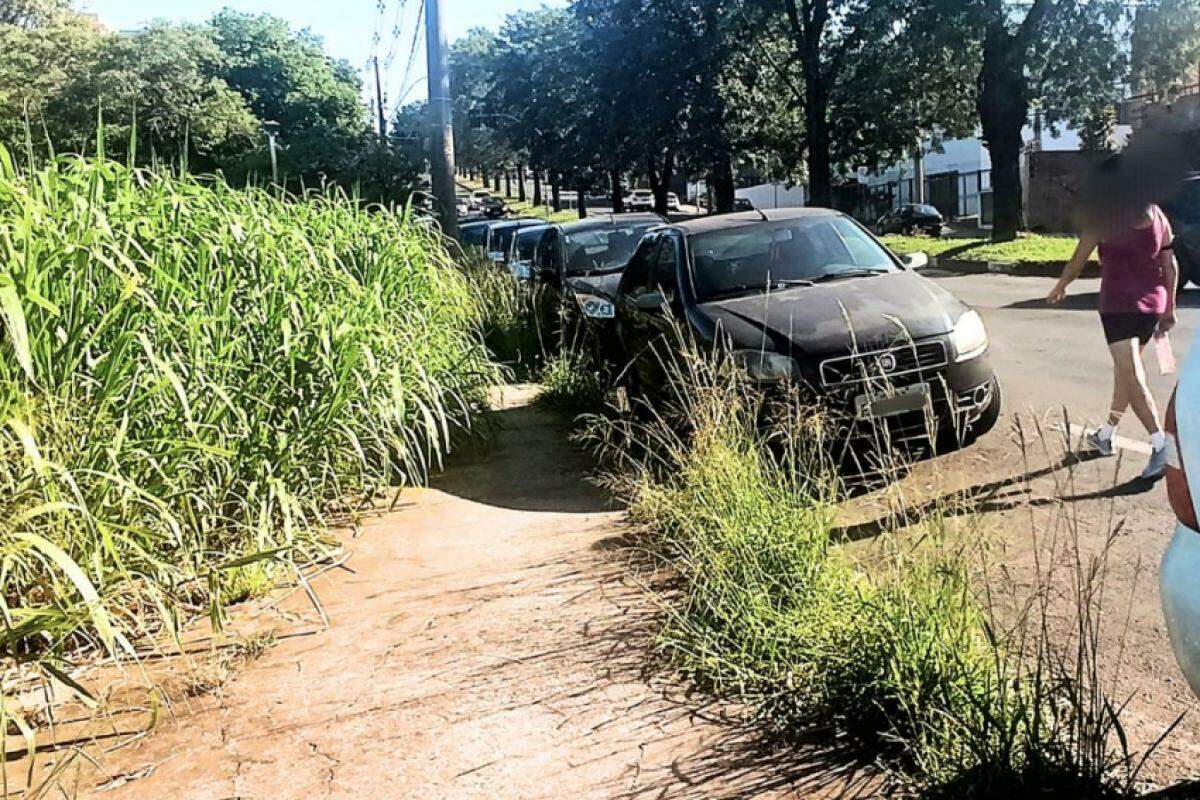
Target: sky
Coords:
[(347, 26)]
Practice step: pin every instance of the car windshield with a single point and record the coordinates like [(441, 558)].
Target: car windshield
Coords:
[(755, 258), (929, 211), (502, 236), (527, 242), (473, 235), (603, 249)]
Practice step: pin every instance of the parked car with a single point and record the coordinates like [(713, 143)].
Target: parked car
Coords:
[(502, 234), (809, 296), (523, 251), (672, 201), (1181, 564), (912, 218), (640, 200), (478, 235), (1184, 212), (462, 205), (475, 201), (742, 204)]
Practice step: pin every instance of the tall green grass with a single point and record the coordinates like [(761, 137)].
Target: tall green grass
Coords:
[(735, 493), (193, 378)]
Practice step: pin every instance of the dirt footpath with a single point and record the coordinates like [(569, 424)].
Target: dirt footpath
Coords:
[(487, 645)]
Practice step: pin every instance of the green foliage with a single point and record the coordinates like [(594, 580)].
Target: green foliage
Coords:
[(571, 382), (1031, 249), (155, 90), (197, 95), (193, 378)]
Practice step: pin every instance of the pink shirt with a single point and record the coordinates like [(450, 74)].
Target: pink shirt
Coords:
[(1131, 277)]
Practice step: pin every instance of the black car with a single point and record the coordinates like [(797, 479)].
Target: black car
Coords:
[(493, 207), (484, 236), (742, 204), (523, 250), (912, 218), (809, 296), (1184, 212), (586, 258)]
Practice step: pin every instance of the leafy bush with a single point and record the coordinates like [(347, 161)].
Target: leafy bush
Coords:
[(571, 381), (192, 377)]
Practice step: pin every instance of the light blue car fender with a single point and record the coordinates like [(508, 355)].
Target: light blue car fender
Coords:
[(1180, 575)]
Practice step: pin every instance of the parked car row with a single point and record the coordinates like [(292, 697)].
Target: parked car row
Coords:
[(806, 296)]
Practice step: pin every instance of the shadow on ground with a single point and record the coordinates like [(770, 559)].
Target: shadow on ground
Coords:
[(1090, 301), (526, 467)]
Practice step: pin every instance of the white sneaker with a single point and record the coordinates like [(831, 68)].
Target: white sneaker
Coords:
[(1158, 463), (1098, 443)]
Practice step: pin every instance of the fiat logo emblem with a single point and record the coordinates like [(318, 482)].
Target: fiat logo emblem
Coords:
[(887, 362)]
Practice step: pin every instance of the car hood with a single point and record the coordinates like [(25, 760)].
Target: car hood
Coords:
[(599, 285), (855, 314)]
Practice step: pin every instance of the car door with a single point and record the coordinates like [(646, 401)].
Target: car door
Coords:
[(547, 263), (651, 307), (637, 281)]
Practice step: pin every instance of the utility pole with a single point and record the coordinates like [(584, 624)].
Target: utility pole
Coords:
[(379, 102), (441, 155)]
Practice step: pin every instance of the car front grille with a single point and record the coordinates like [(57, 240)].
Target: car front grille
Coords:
[(895, 364)]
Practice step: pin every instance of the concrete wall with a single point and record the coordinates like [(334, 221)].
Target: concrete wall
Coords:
[(773, 195)]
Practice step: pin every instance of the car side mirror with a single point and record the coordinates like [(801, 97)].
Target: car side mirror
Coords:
[(650, 301), (916, 260)]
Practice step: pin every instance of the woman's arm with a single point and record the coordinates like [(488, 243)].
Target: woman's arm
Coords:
[(1083, 251)]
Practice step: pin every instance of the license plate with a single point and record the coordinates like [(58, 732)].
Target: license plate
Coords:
[(900, 401)]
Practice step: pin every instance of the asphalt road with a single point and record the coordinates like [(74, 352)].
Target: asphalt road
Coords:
[(1054, 357)]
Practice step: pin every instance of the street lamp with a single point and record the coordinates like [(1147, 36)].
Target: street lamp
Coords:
[(271, 128)]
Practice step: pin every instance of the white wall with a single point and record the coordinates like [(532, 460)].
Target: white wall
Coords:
[(773, 195)]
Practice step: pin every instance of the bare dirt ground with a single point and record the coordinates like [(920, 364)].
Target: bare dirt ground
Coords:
[(487, 645)]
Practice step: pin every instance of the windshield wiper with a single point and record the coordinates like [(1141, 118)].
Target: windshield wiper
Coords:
[(761, 287), (848, 273)]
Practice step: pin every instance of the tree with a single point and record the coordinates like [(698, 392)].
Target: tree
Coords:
[(30, 14), (36, 61), (870, 78), (161, 79)]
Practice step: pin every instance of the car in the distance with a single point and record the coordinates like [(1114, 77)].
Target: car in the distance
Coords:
[(809, 297), (742, 204), (1180, 587), (672, 201), (912, 218), (640, 200), (476, 198)]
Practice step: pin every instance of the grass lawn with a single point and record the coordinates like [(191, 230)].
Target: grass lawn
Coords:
[(1029, 249)]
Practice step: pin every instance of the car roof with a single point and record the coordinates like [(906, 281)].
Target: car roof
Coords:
[(742, 219), (610, 221)]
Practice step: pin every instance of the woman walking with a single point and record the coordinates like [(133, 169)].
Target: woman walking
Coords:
[(1137, 299)]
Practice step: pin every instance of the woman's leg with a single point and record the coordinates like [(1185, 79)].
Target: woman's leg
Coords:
[(1131, 374)]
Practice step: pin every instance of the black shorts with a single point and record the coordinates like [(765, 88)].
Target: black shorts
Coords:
[(1121, 327)]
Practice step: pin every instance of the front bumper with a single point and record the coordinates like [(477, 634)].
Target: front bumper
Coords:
[(1181, 601)]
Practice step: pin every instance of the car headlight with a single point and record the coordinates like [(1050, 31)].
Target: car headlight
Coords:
[(596, 307), (766, 367), (969, 336)]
